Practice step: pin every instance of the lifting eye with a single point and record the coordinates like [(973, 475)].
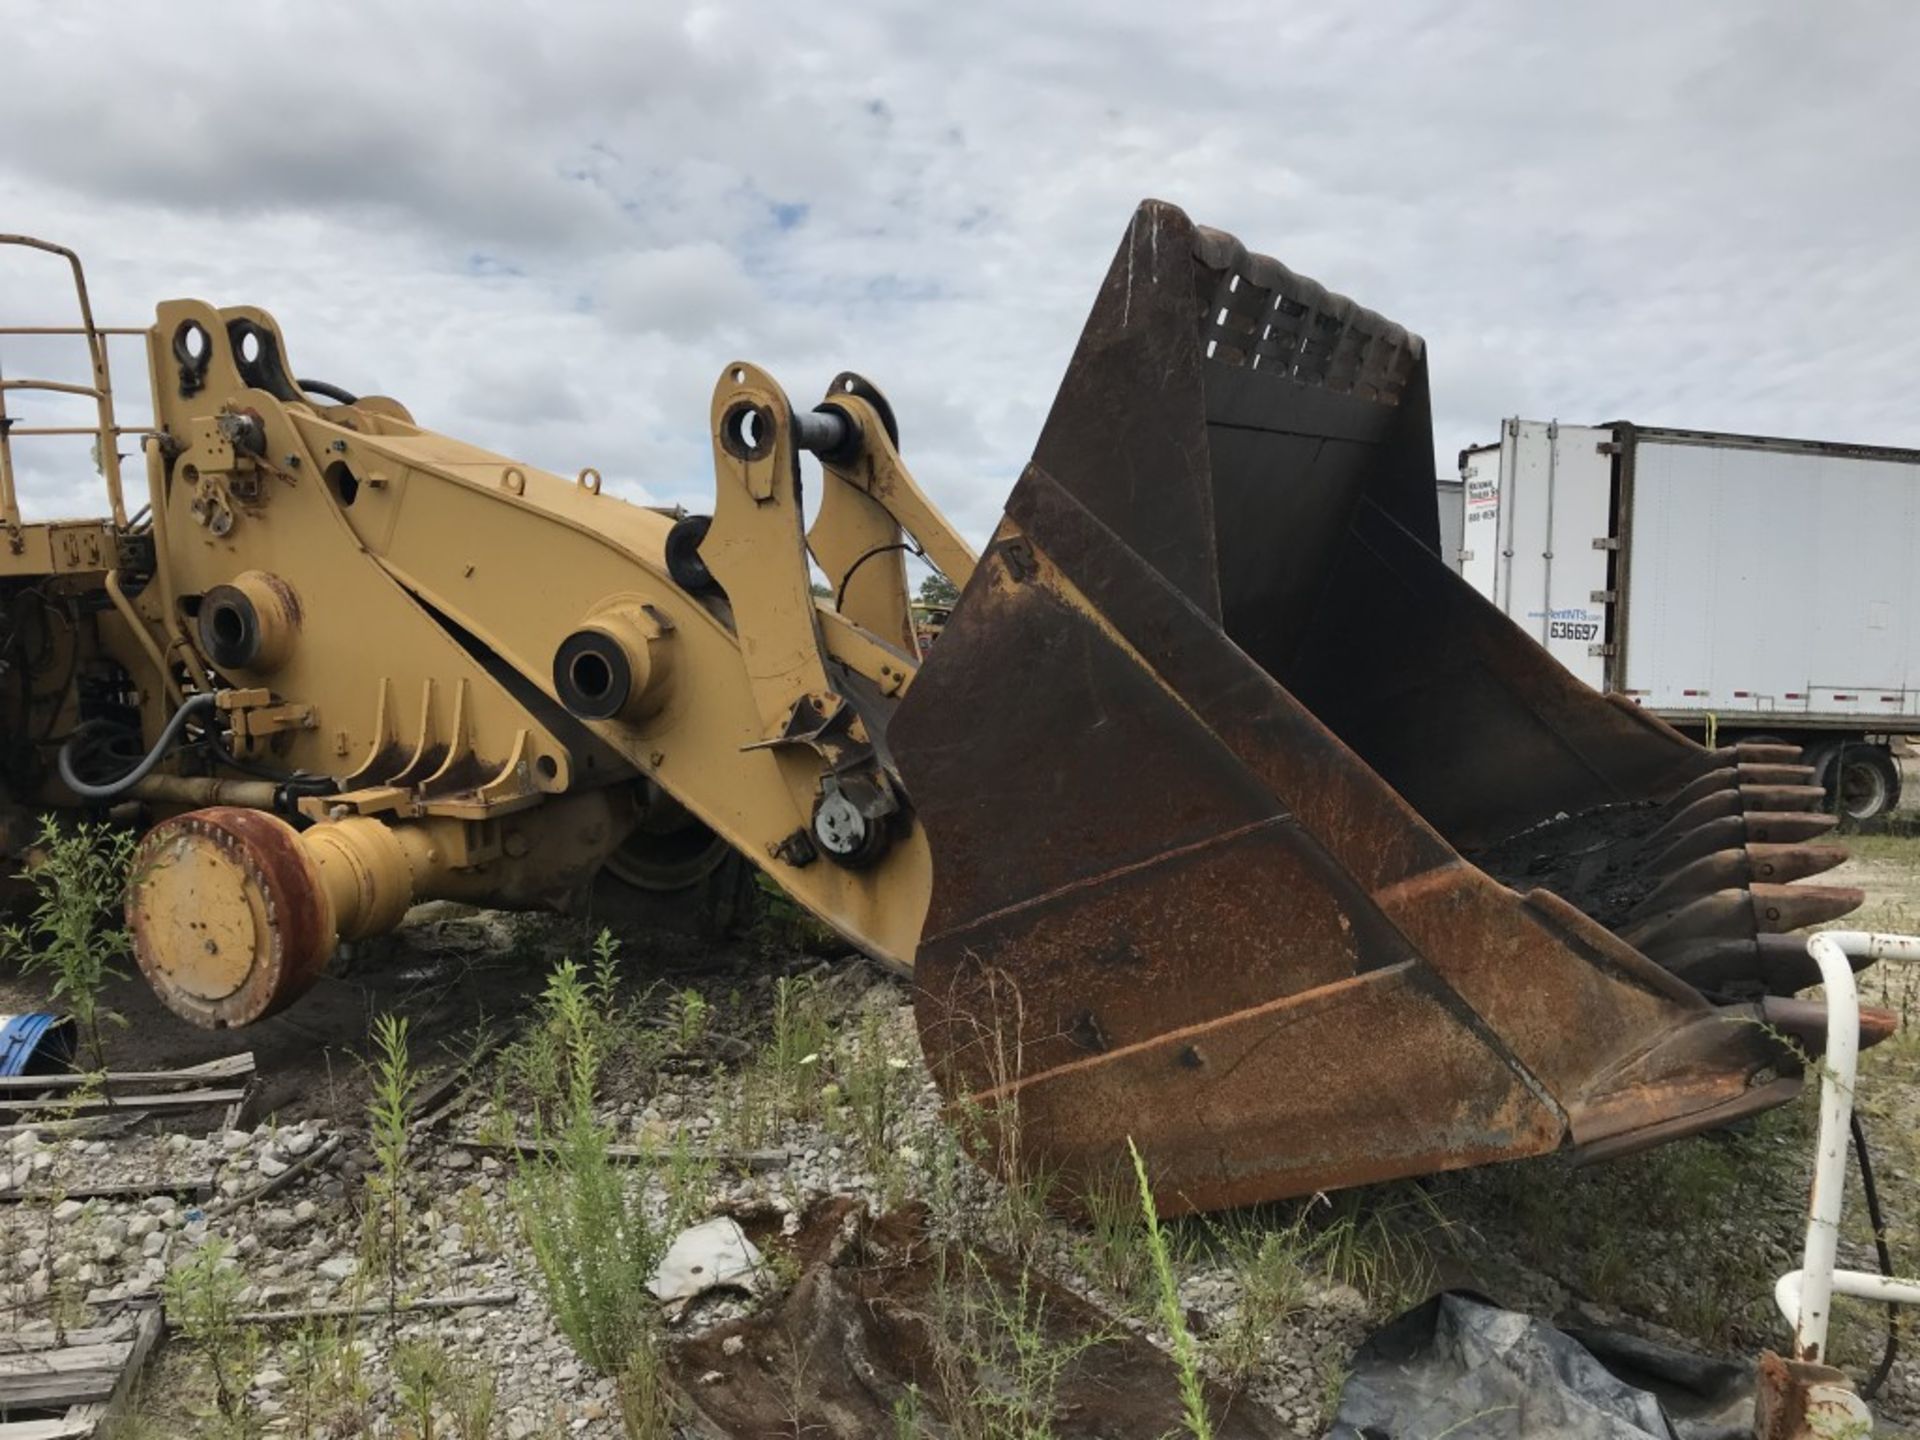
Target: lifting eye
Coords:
[(746, 431), (192, 350)]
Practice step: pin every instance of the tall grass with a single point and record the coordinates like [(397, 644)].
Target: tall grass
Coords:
[(390, 1100), (996, 1360), (1172, 1314), (594, 1239)]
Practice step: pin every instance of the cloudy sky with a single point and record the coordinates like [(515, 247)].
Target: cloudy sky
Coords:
[(547, 227)]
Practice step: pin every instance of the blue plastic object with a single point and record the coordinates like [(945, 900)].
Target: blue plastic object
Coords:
[(36, 1044)]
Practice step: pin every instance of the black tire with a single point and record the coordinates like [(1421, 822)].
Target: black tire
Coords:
[(1862, 781), (718, 905)]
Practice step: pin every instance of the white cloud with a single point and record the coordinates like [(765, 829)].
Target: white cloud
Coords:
[(547, 227)]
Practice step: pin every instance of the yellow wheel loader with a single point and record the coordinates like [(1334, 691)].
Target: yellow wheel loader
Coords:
[(1222, 817)]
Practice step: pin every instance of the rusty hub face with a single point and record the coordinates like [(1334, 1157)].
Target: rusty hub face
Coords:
[(1259, 727), (228, 918)]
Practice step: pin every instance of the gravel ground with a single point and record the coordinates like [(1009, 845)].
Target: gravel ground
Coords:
[(1682, 1244)]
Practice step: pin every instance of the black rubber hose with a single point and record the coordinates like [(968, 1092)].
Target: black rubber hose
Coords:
[(332, 392), (190, 707), (1881, 1250), (840, 595)]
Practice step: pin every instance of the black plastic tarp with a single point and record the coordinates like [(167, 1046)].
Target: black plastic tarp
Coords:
[(1461, 1367)]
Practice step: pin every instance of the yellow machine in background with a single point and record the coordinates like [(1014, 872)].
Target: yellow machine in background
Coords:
[(1170, 827)]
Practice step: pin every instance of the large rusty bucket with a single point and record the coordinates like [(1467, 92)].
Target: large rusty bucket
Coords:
[(1262, 840)]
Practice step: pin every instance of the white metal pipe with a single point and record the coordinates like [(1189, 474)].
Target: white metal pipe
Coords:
[(1808, 1303), (1857, 1284)]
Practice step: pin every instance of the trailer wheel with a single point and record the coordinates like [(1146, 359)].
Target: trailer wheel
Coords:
[(1862, 781)]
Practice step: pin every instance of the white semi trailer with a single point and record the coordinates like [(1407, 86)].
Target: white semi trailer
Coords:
[(1735, 585)]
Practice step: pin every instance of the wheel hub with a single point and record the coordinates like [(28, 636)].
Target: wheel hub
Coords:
[(228, 917)]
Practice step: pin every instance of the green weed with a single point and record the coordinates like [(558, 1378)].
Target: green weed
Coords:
[(874, 1086), (203, 1304), (81, 879), (648, 1407), (327, 1380), (998, 1367), (594, 1243), (691, 1019), (389, 1106), (1172, 1314), (800, 1036), (1113, 1250), (421, 1372), (1273, 1265)]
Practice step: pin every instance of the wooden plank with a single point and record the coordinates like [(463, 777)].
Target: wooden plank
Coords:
[(79, 1424), (108, 1354), (83, 1420), (197, 1187), (240, 1113), (378, 1307), (232, 1067), (150, 1324), (88, 1127), (756, 1161), (449, 1092), (50, 1392), (121, 1330), (169, 1100)]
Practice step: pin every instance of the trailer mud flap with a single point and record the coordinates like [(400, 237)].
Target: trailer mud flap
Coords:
[(1198, 756)]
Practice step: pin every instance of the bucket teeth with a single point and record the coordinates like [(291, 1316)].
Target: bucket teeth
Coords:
[(1796, 1033), (1737, 801), (1739, 915), (1729, 777), (1729, 831), (1748, 752), (1760, 752), (1805, 1023), (1780, 908), (1768, 863), (1763, 965)]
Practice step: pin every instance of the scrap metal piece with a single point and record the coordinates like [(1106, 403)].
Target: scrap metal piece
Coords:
[(1805, 1400), (714, 1254)]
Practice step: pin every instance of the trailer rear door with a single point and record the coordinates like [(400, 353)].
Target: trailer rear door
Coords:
[(1553, 487)]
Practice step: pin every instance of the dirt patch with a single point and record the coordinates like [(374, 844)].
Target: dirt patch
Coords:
[(457, 974)]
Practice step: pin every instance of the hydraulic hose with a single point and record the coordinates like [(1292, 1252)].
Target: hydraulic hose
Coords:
[(190, 707), (330, 392)]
